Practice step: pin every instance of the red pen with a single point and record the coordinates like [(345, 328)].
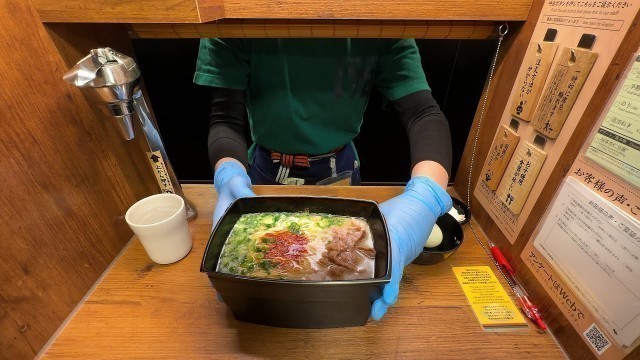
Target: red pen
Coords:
[(527, 306)]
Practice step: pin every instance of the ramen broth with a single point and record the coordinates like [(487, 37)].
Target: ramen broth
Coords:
[(299, 246)]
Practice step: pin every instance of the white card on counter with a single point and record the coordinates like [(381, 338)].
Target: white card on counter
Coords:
[(595, 248)]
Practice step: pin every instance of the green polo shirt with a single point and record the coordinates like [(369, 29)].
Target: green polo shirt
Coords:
[(308, 96)]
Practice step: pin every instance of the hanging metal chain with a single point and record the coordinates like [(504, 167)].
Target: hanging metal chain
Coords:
[(502, 31)]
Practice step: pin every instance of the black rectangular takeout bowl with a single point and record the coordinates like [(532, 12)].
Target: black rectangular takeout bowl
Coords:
[(295, 303)]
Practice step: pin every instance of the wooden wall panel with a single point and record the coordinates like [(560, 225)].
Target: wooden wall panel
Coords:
[(66, 179), (570, 339), (499, 93)]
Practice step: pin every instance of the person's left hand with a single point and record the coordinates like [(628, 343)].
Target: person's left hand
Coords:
[(231, 182), (410, 218)]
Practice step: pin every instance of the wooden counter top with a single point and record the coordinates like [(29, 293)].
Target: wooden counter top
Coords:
[(144, 310)]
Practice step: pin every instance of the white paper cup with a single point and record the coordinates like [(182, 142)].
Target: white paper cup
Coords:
[(160, 222)]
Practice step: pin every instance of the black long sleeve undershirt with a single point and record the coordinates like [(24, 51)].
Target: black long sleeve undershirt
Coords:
[(228, 126), (426, 126)]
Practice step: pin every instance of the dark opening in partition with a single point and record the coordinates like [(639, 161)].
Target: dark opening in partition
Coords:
[(456, 71)]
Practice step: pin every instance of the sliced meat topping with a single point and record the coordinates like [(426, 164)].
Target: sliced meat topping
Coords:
[(342, 253)]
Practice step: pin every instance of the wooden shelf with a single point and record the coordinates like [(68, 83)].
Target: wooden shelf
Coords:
[(201, 11), (128, 11), (320, 29), (378, 9)]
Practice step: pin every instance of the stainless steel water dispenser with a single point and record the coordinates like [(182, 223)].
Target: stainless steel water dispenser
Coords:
[(112, 80)]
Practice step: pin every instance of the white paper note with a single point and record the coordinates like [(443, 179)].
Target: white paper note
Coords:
[(616, 146), (595, 247)]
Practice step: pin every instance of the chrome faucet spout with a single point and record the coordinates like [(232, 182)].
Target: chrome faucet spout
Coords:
[(112, 81)]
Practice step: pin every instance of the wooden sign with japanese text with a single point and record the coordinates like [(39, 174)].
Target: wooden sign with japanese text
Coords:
[(562, 90), (520, 176), (537, 63), (160, 170), (503, 146), (605, 25)]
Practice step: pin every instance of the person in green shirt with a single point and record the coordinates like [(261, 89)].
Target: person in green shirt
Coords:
[(303, 102)]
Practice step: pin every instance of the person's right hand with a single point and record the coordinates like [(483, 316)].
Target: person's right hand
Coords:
[(410, 218), (231, 182)]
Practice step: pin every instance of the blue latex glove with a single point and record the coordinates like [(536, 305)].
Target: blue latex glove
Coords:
[(231, 182), (410, 218)]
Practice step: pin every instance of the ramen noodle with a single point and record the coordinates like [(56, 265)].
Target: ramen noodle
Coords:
[(299, 246)]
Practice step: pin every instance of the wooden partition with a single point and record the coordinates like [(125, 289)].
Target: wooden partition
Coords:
[(67, 178), (62, 159), (506, 74)]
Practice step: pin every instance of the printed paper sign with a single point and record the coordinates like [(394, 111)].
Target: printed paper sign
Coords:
[(616, 146), (489, 301), (596, 248)]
